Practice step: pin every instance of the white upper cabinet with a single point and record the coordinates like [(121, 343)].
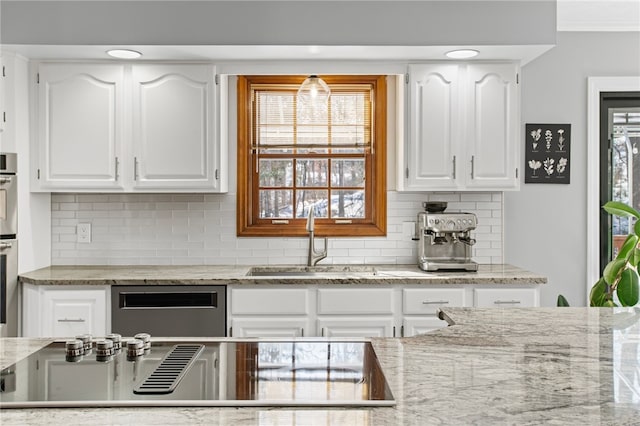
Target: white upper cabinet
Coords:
[(435, 126), (147, 127), (79, 126), (463, 127), (174, 126), (493, 106)]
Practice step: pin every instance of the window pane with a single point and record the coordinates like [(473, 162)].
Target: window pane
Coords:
[(348, 135), (307, 198), (276, 173), (316, 134), (347, 173), (347, 204), (348, 108), (312, 172), (275, 118), (276, 203)]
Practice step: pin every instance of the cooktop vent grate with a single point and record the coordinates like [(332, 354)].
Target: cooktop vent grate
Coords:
[(165, 378)]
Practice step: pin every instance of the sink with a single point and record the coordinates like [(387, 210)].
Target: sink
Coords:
[(307, 271)]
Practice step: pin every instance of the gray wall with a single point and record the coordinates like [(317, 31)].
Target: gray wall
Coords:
[(546, 225), (366, 23)]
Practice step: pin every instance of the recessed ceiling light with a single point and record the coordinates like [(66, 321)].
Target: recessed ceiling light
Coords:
[(124, 53), (462, 54)]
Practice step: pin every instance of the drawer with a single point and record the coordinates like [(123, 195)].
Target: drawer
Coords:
[(428, 300), (355, 301), (281, 301), (506, 298)]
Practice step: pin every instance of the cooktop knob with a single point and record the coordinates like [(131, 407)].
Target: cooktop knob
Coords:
[(104, 350), (146, 339), (116, 339), (86, 341), (135, 349), (74, 350)]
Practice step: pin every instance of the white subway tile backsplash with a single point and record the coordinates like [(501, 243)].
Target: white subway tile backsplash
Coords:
[(195, 229)]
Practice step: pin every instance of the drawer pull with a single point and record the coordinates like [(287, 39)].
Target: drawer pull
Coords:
[(506, 302), (71, 320), (435, 302)]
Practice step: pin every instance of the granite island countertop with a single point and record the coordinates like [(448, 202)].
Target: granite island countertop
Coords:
[(491, 366), (321, 274)]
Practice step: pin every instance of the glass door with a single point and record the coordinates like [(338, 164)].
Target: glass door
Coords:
[(619, 166)]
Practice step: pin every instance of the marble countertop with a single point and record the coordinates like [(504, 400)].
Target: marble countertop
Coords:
[(491, 366), (322, 274)]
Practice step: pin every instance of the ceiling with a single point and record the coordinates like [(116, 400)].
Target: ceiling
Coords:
[(572, 15)]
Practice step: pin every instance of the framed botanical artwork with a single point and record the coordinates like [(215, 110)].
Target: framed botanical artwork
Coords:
[(547, 157)]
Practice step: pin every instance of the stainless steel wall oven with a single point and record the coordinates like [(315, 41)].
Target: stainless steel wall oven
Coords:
[(8, 245)]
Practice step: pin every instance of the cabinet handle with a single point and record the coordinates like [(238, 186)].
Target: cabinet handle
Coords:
[(394, 331), (301, 331), (454, 166), (472, 165), (135, 168), (322, 332), (71, 320), (230, 331), (5, 246), (402, 331), (5, 179), (117, 165), (507, 302), (435, 302)]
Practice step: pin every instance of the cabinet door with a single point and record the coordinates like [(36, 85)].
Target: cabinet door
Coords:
[(270, 326), (79, 126), (268, 301), (356, 327), (173, 126), (67, 313), (493, 118), (412, 326), (506, 298), (430, 158)]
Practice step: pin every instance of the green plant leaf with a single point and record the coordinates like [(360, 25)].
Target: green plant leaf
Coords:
[(562, 301), (635, 259), (628, 287), (610, 304), (620, 209), (627, 248), (611, 271), (636, 228), (598, 294)]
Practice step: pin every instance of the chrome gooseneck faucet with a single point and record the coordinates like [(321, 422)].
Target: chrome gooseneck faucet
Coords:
[(314, 256)]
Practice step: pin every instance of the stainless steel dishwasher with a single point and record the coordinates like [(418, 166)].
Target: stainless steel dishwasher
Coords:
[(169, 310)]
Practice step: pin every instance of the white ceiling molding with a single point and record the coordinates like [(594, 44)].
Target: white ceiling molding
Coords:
[(598, 15)]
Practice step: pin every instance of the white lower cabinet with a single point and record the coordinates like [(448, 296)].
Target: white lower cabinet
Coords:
[(352, 326), (505, 298), (357, 311), (413, 325), (269, 312), (62, 311), (420, 307), (270, 326)]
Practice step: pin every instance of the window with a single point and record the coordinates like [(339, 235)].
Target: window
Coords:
[(296, 156)]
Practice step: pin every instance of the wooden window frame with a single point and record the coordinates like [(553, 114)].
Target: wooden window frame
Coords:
[(248, 225)]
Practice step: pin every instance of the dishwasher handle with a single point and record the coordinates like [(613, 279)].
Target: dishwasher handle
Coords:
[(169, 299)]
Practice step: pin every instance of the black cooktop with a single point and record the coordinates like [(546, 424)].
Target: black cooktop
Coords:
[(201, 373)]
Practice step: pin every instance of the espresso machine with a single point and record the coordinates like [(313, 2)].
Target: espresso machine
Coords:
[(444, 239)]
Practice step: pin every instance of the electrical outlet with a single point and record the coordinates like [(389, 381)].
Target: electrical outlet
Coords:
[(83, 230)]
